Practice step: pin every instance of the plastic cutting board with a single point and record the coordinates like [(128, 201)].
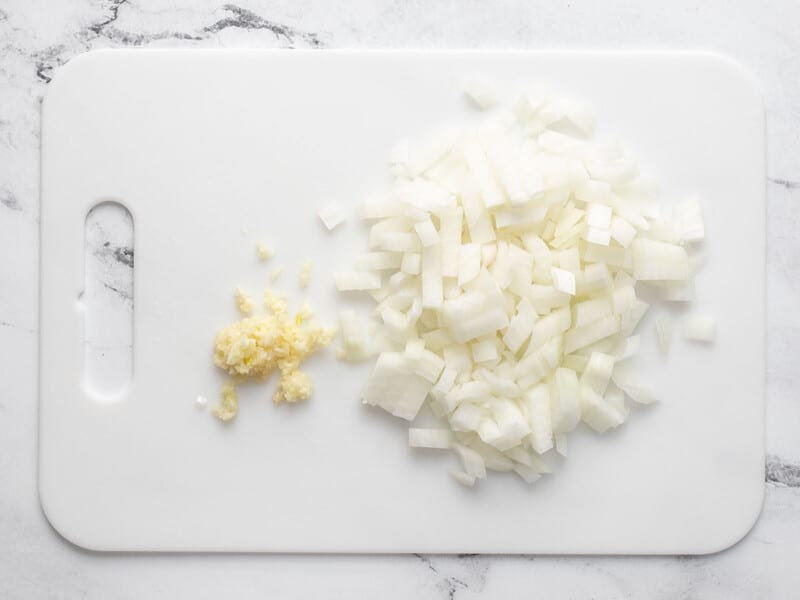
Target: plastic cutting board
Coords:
[(199, 144)]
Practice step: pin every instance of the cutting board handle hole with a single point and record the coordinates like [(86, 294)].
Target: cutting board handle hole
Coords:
[(107, 301)]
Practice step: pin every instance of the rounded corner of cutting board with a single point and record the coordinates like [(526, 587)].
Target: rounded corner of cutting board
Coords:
[(74, 73), (741, 524), (737, 69), (742, 80), (65, 525)]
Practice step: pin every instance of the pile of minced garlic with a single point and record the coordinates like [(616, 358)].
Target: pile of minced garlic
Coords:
[(257, 345)]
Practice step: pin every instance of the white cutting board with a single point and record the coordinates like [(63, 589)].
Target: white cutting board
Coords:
[(198, 144)]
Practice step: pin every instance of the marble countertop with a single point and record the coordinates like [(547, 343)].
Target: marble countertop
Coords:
[(37, 37)]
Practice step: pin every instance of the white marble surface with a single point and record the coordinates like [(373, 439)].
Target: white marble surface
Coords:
[(36, 36)]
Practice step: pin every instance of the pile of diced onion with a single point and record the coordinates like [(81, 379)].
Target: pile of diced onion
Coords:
[(503, 260)]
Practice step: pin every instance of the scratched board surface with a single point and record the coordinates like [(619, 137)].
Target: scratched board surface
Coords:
[(197, 145)]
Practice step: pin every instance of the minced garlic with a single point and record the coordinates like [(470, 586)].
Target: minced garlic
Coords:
[(264, 251), (243, 302), (258, 345), (305, 272), (229, 406)]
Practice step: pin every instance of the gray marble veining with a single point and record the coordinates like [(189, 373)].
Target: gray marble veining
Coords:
[(782, 473), (37, 37)]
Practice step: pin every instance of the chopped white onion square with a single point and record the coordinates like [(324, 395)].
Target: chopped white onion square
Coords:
[(332, 215), (699, 328)]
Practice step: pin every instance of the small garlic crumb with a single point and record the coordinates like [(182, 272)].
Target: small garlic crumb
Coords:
[(276, 272), (201, 401), (304, 314), (305, 272), (258, 345), (243, 302), (227, 409), (264, 251)]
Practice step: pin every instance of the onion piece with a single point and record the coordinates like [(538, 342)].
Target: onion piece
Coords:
[(625, 348), (411, 263), (528, 474), (427, 233), (430, 438), (357, 281), (633, 386), (378, 261), (484, 350), (476, 160), (564, 400), (444, 384), (689, 216), (432, 293), (540, 418), (521, 326), (481, 92), (563, 281), (474, 314), (622, 232), (580, 337), (590, 311), (395, 387), (353, 333), (332, 215), (450, 225), (511, 422), (469, 263), (467, 417), (380, 208), (479, 223), (598, 372), (598, 236), (663, 334), (597, 413), (561, 444), (653, 260), (462, 478), (598, 215), (471, 461), (699, 328)]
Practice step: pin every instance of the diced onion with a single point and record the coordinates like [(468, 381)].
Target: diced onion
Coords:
[(481, 92), (540, 418), (699, 328), (469, 263), (505, 261), (378, 261), (598, 215), (395, 387), (664, 334), (563, 281), (529, 474), (357, 281), (462, 478), (430, 438), (332, 215), (427, 233), (354, 336), (471, 461), (654, 260)]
